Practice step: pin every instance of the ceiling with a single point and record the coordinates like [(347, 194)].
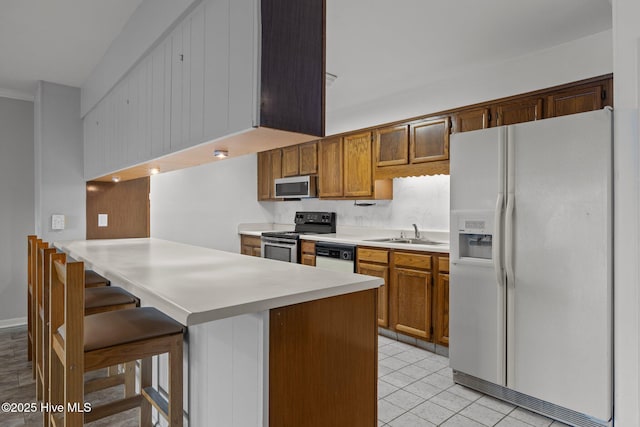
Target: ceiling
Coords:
[(375, 47), (60, 41)]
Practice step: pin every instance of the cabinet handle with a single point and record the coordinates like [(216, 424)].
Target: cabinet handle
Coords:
[(181, 57)]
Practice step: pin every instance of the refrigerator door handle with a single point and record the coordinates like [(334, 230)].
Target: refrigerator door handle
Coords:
[(508, 240), (497, 238)]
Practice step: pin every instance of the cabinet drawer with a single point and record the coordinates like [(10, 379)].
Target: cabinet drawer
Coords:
[(374, 255), (443, 264), (308, 247), (412, 260)]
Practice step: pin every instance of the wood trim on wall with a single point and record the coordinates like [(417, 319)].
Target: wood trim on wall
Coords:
[(127, 205)]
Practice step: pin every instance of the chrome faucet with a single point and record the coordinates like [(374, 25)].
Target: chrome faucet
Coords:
[(415, 227)]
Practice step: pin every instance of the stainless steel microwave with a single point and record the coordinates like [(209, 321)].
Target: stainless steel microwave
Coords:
[(295, 187)]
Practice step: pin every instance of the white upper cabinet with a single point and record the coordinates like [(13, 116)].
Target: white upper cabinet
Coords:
[(201, 83)]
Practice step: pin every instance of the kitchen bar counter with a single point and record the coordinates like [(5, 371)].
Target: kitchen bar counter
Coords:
[(194, 285), (268, 342)]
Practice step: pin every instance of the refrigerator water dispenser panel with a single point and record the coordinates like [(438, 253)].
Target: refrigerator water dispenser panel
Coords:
[(475, 245)]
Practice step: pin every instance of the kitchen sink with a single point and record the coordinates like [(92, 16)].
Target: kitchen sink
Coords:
[(405, 240)]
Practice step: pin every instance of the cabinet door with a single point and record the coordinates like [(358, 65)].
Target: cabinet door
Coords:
[(177, 71), (381, 271), (195, 81), (330, 168), (290, 159), (413, 302), (264, 176), (577, 100), (357, 165), (256, 251), (275, 157), (469, 120), (308, 158), (524, 110), (308, 259), (429, 141), (442, 310), (392, 146), (90, 133)]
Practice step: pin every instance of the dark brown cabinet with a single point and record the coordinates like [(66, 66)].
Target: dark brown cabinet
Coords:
[(469, 120), (392, 146), (576, 100), (429, 141), (518, 111)]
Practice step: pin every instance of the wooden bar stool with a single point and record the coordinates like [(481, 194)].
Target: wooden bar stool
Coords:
[(92, 279), (80, 344), (97, 300)]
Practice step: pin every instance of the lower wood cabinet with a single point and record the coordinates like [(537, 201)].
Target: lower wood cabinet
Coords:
[(412, 286), (415, 297), (250, 245), (375, 262), (441, 327), (308, 252)]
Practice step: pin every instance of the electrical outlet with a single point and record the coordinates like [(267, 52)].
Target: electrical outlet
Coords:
[(57, 222), (103, 220)]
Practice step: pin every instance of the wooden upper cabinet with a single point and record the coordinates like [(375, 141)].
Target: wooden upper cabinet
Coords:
[(290, 161), (466, 121), (269, 168), (576, 100), (330, 167), (264, 175), (392, 146), (357, 165), (308, 158), (518, 111), (429, 141)]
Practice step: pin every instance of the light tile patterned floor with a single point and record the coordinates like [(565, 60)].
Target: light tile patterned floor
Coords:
[(414, 389)]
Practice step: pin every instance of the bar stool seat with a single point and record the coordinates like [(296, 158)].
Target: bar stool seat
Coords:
[(93, 279), (107, 297), (110, 329)]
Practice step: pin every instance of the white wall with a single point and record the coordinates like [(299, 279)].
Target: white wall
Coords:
[(203, 205), (147, 24), (580, 59), (59, 179), (16, 208), (626, 68), (420, 200)]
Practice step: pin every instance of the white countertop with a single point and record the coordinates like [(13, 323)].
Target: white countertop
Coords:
[(359, 236), (194, 285)]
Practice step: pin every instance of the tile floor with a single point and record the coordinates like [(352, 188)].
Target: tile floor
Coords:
[(414, 389)]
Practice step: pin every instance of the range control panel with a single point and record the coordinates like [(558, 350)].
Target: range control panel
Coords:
[(315, 217)]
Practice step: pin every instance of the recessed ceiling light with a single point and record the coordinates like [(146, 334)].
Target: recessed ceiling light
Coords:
[(115, 178), (221, 154), (154, 171)]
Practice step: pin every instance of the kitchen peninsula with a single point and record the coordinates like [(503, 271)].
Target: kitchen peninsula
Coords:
[(268, 343)]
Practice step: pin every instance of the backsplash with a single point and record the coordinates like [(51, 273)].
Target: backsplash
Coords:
[(421, 200)]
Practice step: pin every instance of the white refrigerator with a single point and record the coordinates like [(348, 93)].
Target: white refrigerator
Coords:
[(531, 265)]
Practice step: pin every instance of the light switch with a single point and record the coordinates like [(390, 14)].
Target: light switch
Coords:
[(57, 222), (103, 220)]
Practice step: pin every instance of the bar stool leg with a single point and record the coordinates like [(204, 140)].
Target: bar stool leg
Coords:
[(175, 384), (145, 381), (129, 379)]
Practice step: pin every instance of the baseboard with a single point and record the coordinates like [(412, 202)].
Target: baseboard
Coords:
[(9, 323)]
